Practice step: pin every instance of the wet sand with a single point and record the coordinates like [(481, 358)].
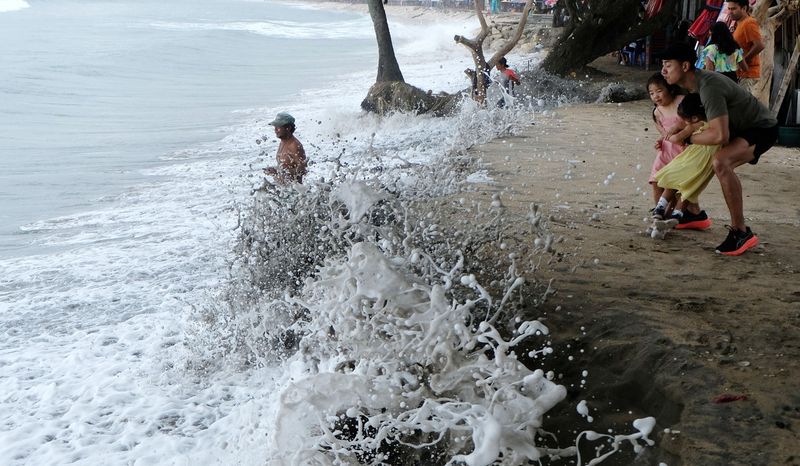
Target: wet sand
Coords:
[(668, 325)]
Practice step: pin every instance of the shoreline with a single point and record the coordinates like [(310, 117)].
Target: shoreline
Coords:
[(400, 12)]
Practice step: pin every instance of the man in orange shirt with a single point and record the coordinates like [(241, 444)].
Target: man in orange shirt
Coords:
[(748, 36)]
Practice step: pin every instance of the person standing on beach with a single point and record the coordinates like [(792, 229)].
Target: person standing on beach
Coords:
[(291, 156), (748, 35), (507, 79), (737, 121), (722, 54)]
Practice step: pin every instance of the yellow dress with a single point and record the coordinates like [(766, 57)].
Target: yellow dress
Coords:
[(689, 172)]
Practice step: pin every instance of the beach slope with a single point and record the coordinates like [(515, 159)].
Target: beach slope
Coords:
[(706, 343)]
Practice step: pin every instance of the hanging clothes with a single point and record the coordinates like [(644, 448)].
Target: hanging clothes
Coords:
[(702, 25), (724, 16)]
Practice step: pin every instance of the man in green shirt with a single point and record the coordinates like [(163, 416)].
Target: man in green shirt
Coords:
[(737, 121)]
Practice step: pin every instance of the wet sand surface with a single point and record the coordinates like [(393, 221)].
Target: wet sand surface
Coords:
[(663, 327)]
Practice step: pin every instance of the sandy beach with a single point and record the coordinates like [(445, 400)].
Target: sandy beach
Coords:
[(664, 327)]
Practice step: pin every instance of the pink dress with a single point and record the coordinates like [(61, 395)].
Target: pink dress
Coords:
[(669, 150)]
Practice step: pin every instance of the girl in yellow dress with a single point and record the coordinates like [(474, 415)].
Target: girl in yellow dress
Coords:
[(690, 172)]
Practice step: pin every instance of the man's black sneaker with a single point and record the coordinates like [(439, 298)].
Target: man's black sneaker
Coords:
[(659, 213), (690, 221), (737, 242)]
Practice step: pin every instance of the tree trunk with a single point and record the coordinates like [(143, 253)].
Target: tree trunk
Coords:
[(770, 18), (761, 89), (606, 26), (388, 69), (391, 93), (396, 96)]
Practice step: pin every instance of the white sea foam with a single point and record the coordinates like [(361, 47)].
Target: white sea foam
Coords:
[(432, 42), (356, 29), (13, 5)]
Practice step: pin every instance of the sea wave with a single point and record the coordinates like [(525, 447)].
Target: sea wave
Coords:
[(190, 340), (353, 29), (13, 5), (428, 40), (394, 300)]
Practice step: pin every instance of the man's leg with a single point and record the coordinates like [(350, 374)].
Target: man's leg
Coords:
[(737, 153), (689, 206)]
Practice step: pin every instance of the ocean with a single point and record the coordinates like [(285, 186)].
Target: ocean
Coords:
[(132, 138)]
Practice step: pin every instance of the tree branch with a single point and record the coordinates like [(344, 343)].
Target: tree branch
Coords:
[(469, 43), (607, 26), (783, 10), (761, 10), (481, 19)]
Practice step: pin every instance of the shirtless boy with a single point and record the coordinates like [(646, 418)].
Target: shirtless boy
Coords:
[(291, 156)]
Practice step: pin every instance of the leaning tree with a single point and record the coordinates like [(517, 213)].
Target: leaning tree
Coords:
[(388, 68), (390, 92), (597, 27)]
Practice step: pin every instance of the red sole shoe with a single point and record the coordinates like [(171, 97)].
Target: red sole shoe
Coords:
[(695, 225), (752, 242)]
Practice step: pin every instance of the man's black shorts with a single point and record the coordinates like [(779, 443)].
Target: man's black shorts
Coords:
[(762, 138)]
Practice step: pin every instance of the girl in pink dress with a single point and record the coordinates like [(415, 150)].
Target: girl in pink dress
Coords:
[(665, 113)]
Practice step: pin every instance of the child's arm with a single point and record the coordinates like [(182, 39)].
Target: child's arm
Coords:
[(718, 132), (661, 130), (681, 135)]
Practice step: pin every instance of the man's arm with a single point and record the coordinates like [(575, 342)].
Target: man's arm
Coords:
[(716, 133), (758, 46), (753, 35), (680, 136), (743, 65)]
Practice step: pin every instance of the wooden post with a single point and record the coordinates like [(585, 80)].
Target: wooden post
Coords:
[(788, 76)]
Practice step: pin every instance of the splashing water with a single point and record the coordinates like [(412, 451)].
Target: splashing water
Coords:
[(396, 302)]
